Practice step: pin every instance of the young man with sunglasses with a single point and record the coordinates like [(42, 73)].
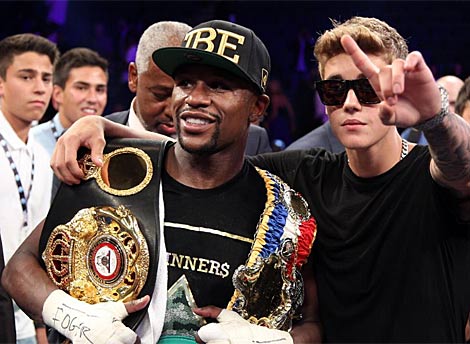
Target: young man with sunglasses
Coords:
[(392, 253)]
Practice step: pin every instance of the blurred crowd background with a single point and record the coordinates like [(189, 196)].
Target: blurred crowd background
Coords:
[(439, 29)]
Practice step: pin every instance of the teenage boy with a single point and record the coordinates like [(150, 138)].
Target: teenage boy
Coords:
[(80, 89), (26, 66)]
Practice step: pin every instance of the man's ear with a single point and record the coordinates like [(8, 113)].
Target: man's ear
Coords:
[(132, 77), (259, 108), (57, 96), (1, 86)]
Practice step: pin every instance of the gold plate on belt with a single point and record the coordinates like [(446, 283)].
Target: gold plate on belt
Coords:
[(100, 255), (125, 171)]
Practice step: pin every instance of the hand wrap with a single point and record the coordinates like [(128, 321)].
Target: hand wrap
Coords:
[(84, 323), (232, 328)]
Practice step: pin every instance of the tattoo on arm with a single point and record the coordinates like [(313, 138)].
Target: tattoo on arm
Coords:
[(449, 144)]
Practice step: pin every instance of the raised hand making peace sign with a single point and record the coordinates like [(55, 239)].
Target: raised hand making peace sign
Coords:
[(408, 87)]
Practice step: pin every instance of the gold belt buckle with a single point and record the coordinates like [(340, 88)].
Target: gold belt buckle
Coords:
[(100, 255)]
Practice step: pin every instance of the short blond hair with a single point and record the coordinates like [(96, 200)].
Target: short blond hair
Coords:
[(373, 36)]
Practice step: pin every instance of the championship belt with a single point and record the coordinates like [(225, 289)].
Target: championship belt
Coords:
[(100, 255), (269, 287), (100, 239)]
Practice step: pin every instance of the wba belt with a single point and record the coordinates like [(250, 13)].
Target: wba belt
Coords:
[(100, 239)]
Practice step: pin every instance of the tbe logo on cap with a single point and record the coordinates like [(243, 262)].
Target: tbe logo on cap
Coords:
[(208, 35), (223, 45)]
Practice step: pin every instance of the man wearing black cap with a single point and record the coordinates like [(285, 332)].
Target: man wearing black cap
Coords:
[(220, 75), (150, 108)]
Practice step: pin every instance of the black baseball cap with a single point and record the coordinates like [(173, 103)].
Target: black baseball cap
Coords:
[(221, 44)]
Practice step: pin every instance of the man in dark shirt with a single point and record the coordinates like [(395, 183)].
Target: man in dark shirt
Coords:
[(392, 252), (219, 212)]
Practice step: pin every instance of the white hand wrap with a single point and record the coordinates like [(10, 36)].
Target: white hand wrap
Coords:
[(232, 328), (85, 323)]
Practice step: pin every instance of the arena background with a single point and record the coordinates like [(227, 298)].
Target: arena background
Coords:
[(439, 29)]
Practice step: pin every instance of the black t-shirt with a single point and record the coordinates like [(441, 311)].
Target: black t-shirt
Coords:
[(208, 233), (391, 262)]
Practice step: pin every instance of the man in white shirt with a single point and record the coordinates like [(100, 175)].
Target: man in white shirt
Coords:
[(80, 89), (26, 66)]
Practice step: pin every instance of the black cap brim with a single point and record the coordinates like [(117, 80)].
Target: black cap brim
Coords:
[(171, 58)]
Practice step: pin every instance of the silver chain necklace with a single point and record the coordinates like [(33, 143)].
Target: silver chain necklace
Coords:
[(404, 149)]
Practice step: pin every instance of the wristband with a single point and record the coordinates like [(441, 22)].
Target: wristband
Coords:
[(437, 119)]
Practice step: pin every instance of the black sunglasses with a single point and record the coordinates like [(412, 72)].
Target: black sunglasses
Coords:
[(333, 92)]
